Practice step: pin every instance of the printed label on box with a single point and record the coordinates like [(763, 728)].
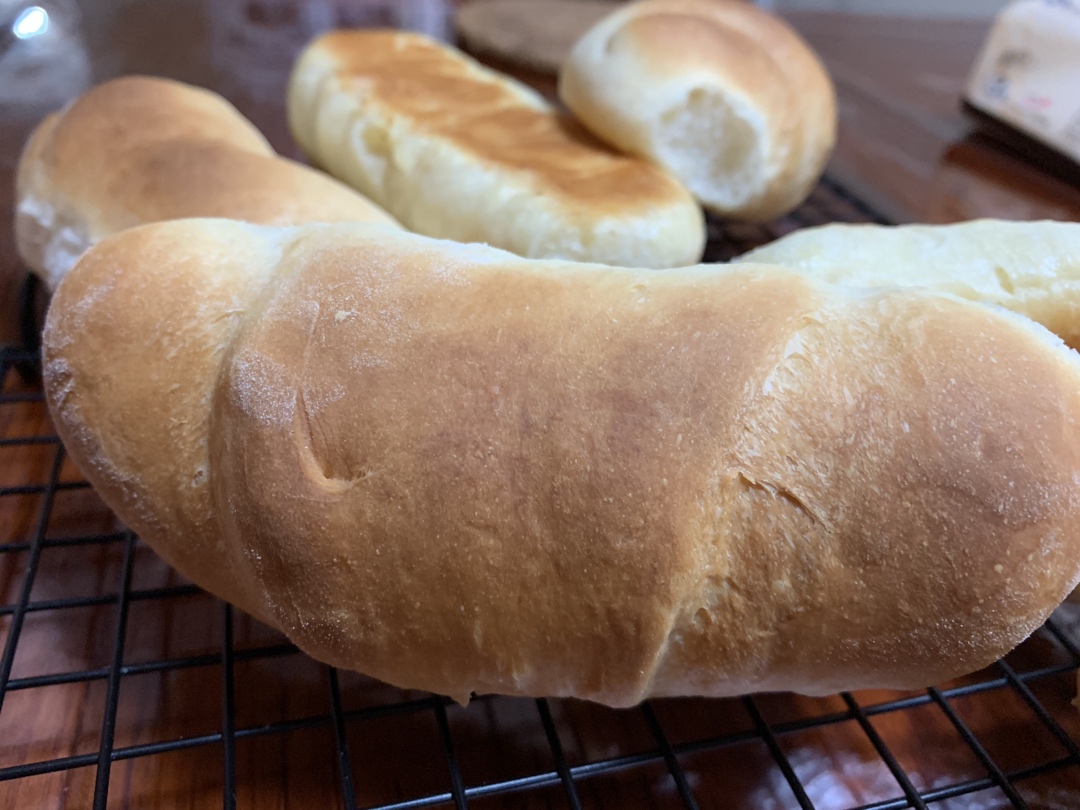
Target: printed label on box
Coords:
[(1028, 72)]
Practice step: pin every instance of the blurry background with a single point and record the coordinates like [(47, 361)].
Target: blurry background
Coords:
[(907, 8)]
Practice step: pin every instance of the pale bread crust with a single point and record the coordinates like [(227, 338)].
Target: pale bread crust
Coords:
[(649, 57), (457, 470), (1032, 268), (457, 151), (141, 149)]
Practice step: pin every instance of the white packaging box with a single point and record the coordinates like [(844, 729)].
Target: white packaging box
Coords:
[(1028, 73)]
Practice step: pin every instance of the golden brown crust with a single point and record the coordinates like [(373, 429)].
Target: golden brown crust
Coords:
[(460, 471), (457, 151), (441, 93), (183, 317), (141, 149)]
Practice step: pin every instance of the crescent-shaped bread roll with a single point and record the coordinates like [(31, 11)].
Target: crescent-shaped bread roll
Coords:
[(140, 149), (458, 470), (1032, 268), (457, 151), (725, 96)]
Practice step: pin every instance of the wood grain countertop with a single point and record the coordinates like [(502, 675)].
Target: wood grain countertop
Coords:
[(257, 725)]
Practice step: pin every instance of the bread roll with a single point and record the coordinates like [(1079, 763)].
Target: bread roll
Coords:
[(140, 149), (1029, 267), (724, 96), (457, 470), (457, 151)]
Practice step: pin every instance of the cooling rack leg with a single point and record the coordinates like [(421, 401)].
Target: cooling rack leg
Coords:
[(977, 748), (1040, 711), (456, 784), (778, 754), (883, 751), (669, 757), (108, 725), (228, 711), (557, 752), (341, 744)]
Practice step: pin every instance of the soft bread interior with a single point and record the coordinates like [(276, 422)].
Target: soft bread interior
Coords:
[(727, 98), (716, 143)]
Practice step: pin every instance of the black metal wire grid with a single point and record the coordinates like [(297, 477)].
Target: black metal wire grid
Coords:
[(830, 202)]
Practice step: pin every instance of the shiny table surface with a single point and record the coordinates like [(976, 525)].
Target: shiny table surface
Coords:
[(903, 145)]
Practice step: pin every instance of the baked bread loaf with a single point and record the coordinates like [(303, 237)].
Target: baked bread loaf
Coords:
[(457, 151), (139, 149), (527, 33), (723, 95), (1029, 267), (458, 470)]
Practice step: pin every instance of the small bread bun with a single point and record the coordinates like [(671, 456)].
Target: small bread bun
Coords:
[(726, 97)]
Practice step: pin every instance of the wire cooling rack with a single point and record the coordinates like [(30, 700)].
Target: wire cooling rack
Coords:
[(121, 685)]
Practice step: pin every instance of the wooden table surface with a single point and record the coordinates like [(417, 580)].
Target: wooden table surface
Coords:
[(903, 145)]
